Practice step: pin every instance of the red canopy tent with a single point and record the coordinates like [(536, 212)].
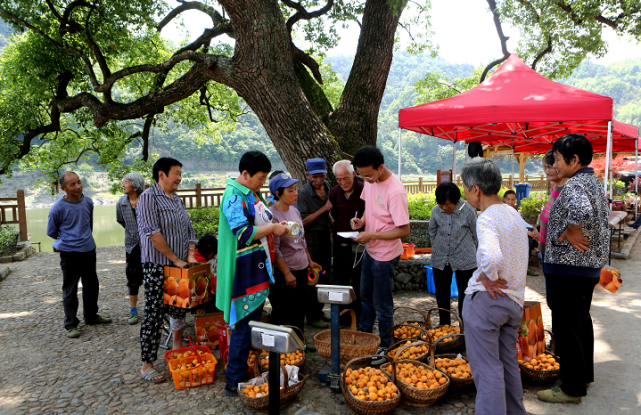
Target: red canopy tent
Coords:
[(519, 108)]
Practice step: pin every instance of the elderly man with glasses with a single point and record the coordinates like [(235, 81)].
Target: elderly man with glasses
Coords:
[(347, 204)]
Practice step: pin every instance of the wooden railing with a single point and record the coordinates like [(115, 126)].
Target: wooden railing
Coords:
[(15, 213), (199, 197)]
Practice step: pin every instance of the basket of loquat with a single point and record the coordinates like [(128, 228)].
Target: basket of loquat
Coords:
[(405, 331), (441, 332), (368, 391), (420, 384)]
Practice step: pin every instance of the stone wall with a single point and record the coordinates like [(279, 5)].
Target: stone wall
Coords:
[(419, 235), (410, 273)]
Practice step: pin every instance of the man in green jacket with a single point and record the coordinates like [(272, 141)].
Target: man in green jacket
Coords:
[(245, 259)]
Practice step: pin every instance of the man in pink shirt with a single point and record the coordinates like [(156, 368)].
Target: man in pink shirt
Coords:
[(386, 220)]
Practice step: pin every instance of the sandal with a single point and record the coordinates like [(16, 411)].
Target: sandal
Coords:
[(150, 374)]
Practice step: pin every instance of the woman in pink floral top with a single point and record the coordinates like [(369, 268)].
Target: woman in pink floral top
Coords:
[(557, 182)]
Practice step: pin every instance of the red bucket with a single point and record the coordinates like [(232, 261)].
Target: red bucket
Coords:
[(408, 251)]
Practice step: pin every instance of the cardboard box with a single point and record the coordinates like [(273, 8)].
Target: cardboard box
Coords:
[(224, 337), (187, 288), (531, 337), (206, 327)]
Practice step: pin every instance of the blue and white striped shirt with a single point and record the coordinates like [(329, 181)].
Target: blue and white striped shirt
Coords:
[(158, 212)]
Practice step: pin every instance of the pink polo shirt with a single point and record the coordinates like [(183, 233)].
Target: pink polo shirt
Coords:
[(386, 208)]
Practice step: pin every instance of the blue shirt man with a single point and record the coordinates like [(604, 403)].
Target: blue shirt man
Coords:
[(70, 224)]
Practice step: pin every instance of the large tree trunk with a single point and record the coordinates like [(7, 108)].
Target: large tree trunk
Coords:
[(265, 77), (266, 80), (354, 124)]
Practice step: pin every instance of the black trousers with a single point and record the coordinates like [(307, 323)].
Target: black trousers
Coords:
[(442, 284), (79, 266), (319, 245), (344, 273), (570, 300), (288, 304)]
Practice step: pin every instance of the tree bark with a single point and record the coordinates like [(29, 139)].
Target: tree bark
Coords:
[(355, 121), (265, 78)]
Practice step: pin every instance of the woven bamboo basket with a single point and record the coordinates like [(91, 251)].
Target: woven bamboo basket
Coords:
[(542, 376), (455, 382), (425, 338), (447, 346), (358, 407), (353, 343), (300, 364), (411, 395), (287, 394), (418, 323)]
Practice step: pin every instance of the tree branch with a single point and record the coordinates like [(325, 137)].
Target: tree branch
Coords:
[(216, 18), (302, 13), (542, 54), (207, 36), (207, 67), (149, 120), (502, 38), (499, 28), (308, 61), (160, 68)]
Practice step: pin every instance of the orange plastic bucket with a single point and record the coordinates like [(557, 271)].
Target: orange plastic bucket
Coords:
[(408, 251)]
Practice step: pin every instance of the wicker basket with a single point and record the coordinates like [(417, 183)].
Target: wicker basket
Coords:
[(441, 346), (300, 364), (542, 376), (418, 323), (411, 395), (455, 382), (287, 394), (358, 407), (426, 338), (353, 343)]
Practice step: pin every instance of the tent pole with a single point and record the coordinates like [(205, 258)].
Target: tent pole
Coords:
[(636, 178), (466, 151), (399, 154), (512, 177), (611, 163), (607, 158), (454, 164)]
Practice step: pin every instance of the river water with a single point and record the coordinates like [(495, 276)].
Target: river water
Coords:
[(106, 231)]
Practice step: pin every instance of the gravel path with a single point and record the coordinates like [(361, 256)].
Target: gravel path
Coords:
[(44, 372)]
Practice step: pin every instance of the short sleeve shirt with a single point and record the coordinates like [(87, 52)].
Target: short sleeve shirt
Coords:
[(386, 208), (309, 202)]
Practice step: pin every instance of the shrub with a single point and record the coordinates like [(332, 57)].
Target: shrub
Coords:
[(8, 239), (420, 210), (204, 220), (531, 207)]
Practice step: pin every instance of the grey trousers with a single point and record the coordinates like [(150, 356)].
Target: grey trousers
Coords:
[(491, 328)]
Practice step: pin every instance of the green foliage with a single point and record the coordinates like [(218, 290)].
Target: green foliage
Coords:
[(420, 210), (8, 239), (531, 207), (204, 221)]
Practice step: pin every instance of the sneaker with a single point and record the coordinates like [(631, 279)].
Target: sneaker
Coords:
[(100, 320), (556, 395), (319, 324), (379, 360), (532, 272), (230, 390), (133, 319), (309, 346), (73, 333)]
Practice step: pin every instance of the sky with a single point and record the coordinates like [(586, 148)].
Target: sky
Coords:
[(451, 20)]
